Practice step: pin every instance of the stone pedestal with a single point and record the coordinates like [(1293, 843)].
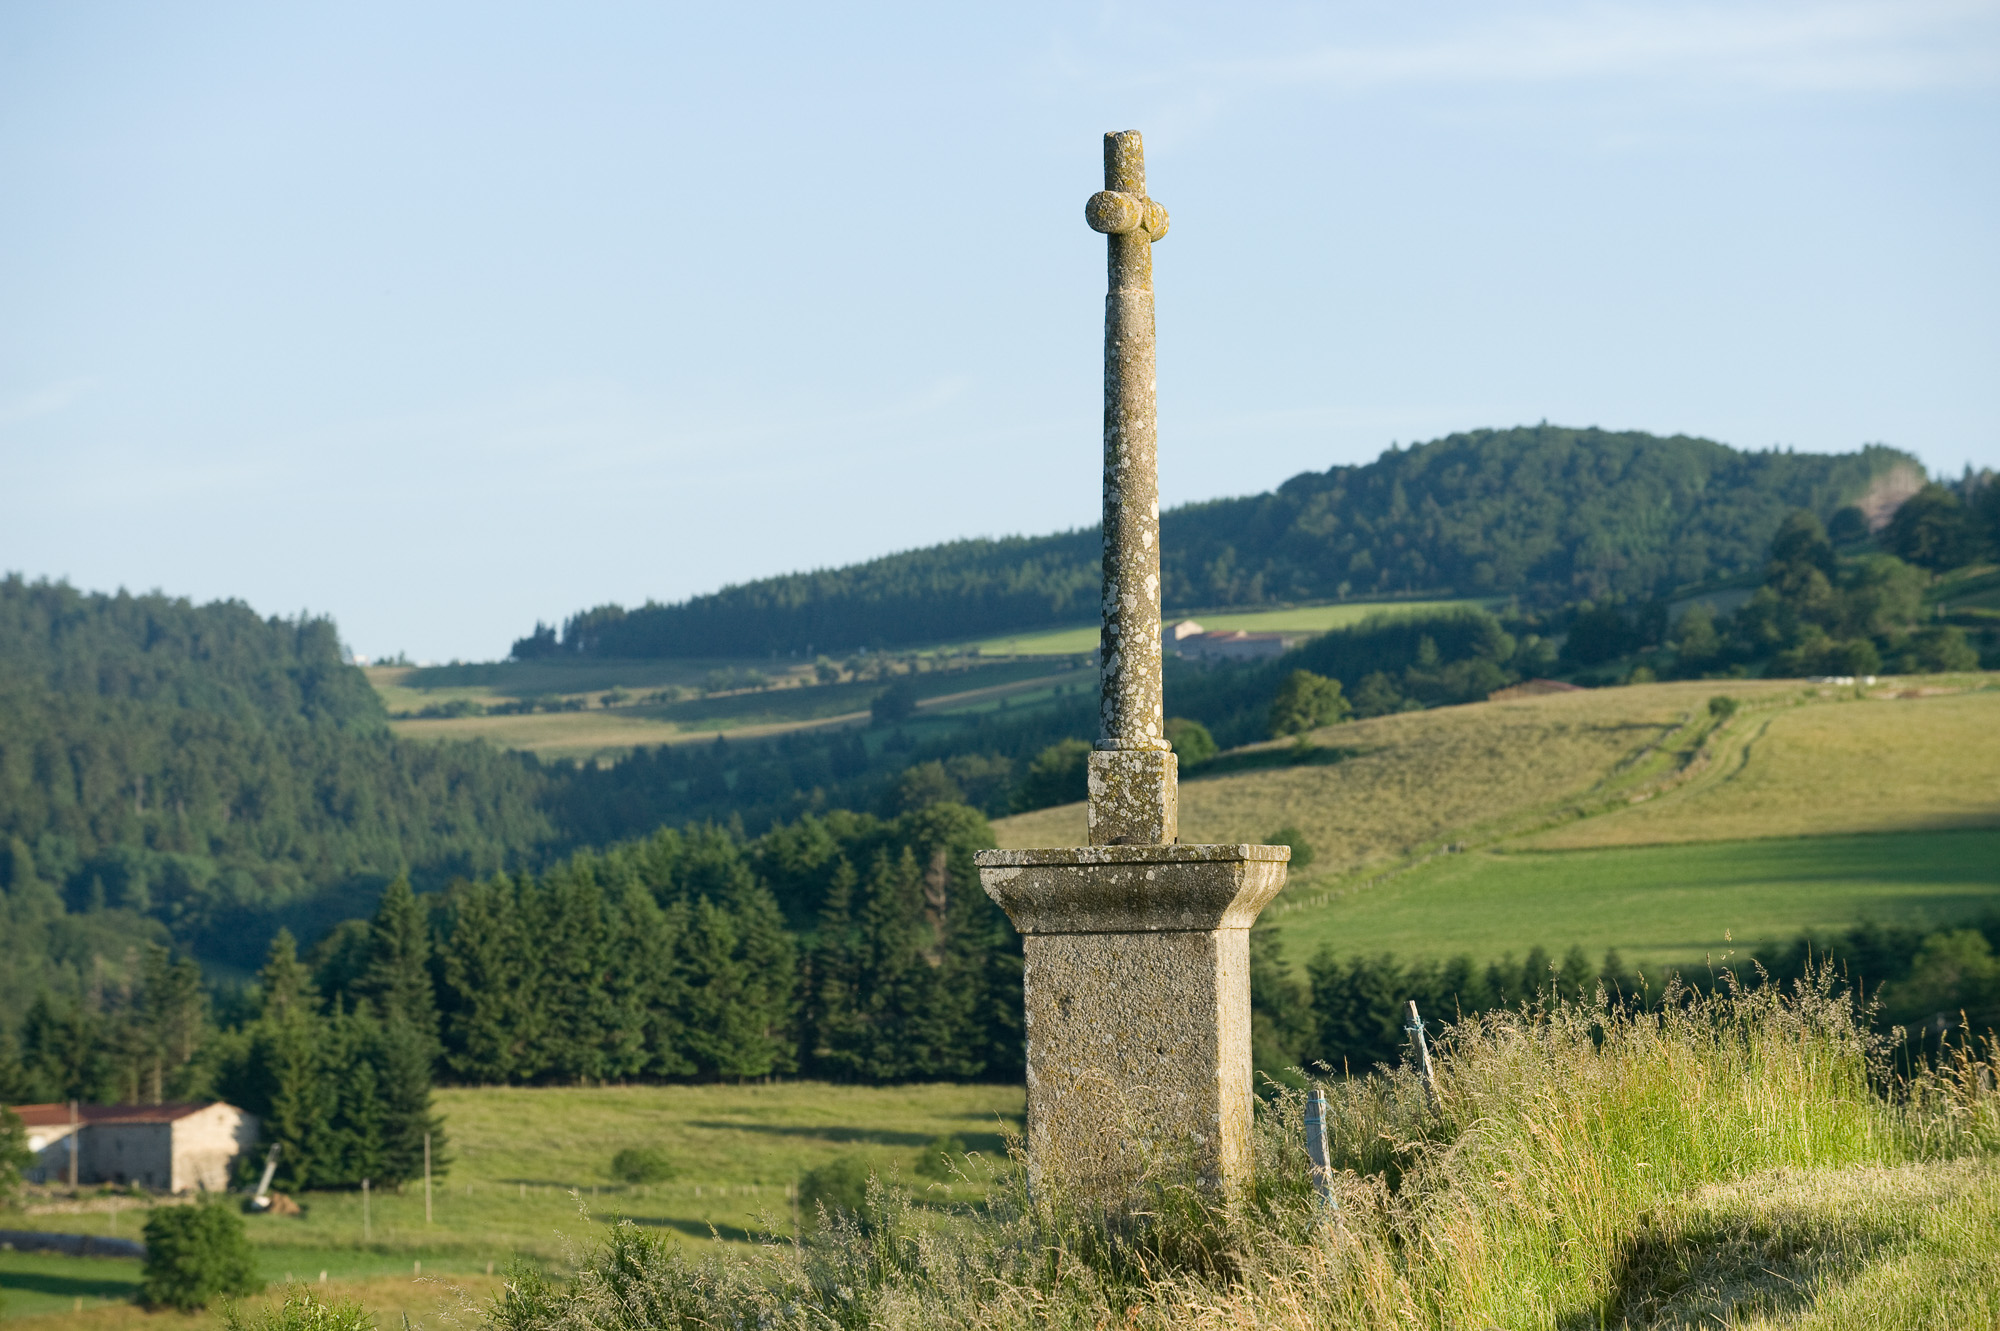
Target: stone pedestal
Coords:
[(1138, 1005)]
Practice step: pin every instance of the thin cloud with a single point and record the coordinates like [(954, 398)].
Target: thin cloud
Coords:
[(42, 401), (1836, 47)]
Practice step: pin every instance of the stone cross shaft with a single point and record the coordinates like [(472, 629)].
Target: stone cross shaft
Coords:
[(1136, 948), (1134, 790)]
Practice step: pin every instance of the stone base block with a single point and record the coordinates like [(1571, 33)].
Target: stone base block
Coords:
[(1138, 1005)]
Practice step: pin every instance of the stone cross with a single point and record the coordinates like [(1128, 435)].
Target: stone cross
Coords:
[(1137, 953), (1134, 794)]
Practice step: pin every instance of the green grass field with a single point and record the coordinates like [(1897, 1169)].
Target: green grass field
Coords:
[(1618, 818), (1291, 619), (607, 724), (35, 1285), (531, 1165), (1656, 904)]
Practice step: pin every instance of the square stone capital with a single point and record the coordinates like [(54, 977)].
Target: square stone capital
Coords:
[(1133, 889)]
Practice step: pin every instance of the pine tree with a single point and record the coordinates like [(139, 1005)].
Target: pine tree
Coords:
[(899, 987), (649, 988), (399, 1066), (29, 901), (398, 978), (64, 1052), (293, 1092), (286, 984), (494, 996), (767, 962), (281, 1069), (359, 1120), (580, 1036), (16, 1087), (173, 1019), (830, 1022)]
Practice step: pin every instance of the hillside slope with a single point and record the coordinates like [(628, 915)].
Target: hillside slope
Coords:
[(1545, 513), (1628, 818)]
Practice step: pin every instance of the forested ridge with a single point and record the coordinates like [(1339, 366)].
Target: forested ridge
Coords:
[(1544, 513), (167, 768)]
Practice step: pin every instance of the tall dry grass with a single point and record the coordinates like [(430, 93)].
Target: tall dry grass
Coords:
[(1546, 1183)]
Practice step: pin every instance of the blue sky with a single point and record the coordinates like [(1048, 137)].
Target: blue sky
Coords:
[(442, 318)]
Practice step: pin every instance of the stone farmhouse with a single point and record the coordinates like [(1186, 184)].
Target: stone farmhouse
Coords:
[(1191, 640), (169, 1148)]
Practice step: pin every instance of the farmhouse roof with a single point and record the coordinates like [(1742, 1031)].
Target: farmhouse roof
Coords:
[(57, 1116)]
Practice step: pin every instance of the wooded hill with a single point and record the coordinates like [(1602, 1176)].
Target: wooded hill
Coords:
[(1544, 513), (172, 767)]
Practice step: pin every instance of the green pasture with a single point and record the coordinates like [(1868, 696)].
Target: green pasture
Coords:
[(1289, 619), (793, 699), (36, 1283), (529, 1165), (1682, 904), (33, 1283)]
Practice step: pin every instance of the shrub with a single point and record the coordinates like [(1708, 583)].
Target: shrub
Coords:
[(195, 1254), (1722, 706), (1377, 695), (14, 1154), (838, 1187), (1302, 851), (896, 703), (1943, 648), (940, 1156), (1191, 741), (1305, 702), (1060, 774), (643, 1164)]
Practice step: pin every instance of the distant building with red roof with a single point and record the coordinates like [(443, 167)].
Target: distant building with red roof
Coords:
[(1191, 640), (169, 1148)]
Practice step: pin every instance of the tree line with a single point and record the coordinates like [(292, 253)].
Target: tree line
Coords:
[(1349, 1012), (1544, 513), (1823, 607), (847, 947)]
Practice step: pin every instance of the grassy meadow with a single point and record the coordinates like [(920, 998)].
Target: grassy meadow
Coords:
[(531, 1168), (606, 708), (1627, 818), (1740, 1159), (41, 1289), (1681, 904), (1304, 619)]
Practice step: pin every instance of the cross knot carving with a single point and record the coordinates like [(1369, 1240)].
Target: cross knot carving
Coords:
[(1116, 213)]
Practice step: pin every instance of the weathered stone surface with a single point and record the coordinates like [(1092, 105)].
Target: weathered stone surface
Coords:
[(1138, 998), (1129, 648), (1138, 1057), (1133, 889), (1135, 797)]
